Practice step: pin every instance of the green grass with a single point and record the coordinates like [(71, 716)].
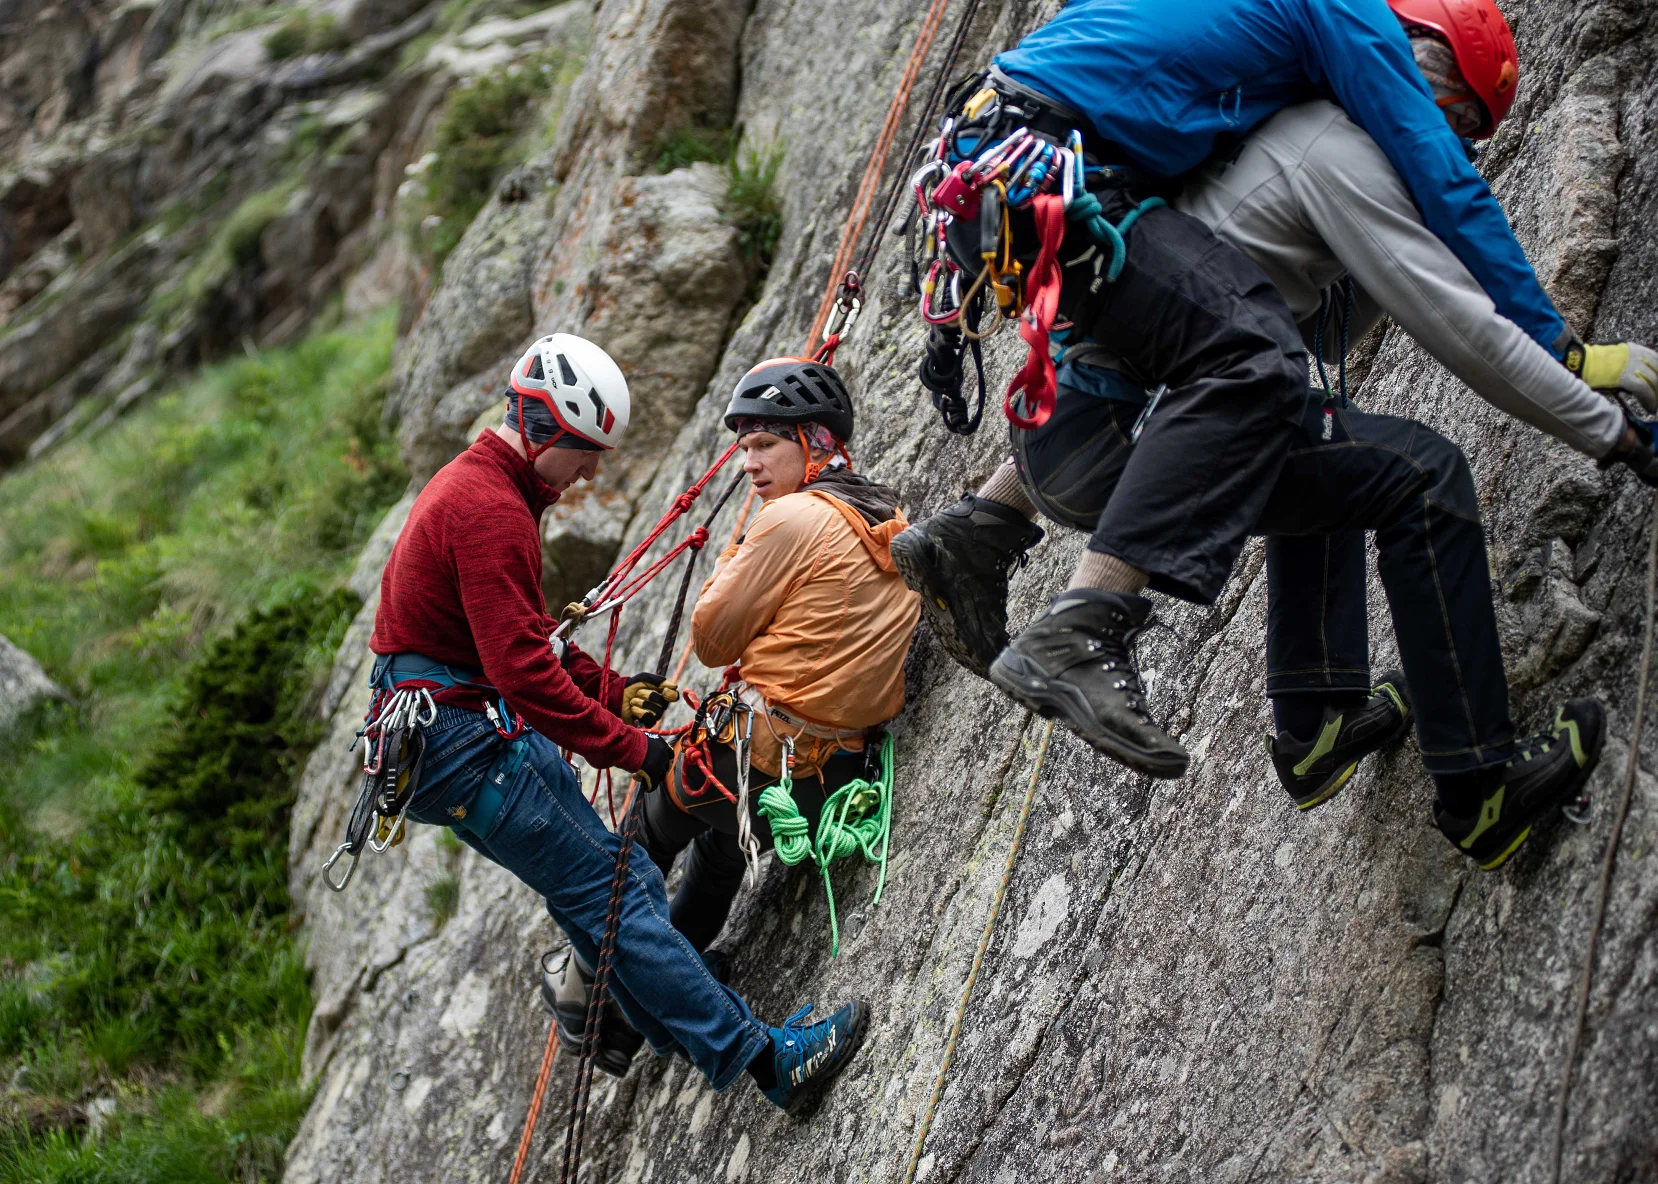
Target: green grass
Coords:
[(306, 32), (180, 576), (690, 145), (754, 207)]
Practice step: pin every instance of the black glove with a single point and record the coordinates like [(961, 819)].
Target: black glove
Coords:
[(645, 699), (659, 758), (1639, 455)]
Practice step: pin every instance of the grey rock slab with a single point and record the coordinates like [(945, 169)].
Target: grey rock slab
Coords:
[(1190, 980), (24, 685)]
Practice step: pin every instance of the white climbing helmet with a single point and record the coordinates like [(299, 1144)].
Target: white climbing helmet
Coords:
[(580, 384)]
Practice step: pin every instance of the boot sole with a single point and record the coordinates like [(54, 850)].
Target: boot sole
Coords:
[(915, 563), (1573, 789), (1039, 694), (808, 1097)]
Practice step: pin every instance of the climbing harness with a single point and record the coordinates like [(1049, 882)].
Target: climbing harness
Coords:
[(394, 750), (1609, 863), (950, 1043), (855, 820), (992, 201)]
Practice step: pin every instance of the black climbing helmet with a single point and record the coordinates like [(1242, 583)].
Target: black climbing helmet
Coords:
[(793, 390)]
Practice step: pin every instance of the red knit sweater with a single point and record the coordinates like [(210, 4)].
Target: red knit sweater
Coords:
[(463, 586)]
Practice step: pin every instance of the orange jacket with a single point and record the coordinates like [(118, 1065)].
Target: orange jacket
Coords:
[(810, 602)]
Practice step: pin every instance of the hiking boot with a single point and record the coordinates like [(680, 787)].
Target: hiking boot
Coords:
[(1314, 771), (1547, 772), (958, 560), (1075, 662), (806, 1058), (565, 990)]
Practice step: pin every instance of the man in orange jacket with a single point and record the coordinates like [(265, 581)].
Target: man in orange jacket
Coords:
[(810, 605)]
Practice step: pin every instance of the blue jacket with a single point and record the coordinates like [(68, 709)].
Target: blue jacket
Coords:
[(1169, 81)]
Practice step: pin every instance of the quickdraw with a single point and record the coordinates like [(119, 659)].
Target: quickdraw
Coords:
[(394, 750)]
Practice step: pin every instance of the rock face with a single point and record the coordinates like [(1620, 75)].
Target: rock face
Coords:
[(1190, 981), (173, 189)]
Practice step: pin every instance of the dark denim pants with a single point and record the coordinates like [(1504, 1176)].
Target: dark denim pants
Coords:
[(1344, 472), (548, 836)]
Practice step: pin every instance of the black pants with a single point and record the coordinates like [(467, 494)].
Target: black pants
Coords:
[(1191, 312), (1344, 472), (714, 863)]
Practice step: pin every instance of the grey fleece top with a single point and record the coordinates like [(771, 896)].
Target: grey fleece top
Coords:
[(1311, 199)]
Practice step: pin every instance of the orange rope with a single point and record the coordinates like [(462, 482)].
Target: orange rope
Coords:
[(871, 182), (536, 1098), (546, 1073)]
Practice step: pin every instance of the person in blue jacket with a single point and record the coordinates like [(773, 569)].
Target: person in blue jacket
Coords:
[(1236, 444)]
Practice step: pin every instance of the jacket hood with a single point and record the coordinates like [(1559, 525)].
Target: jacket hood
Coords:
[(869, 508)]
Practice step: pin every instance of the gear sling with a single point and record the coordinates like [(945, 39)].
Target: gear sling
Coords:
[(394, 753)]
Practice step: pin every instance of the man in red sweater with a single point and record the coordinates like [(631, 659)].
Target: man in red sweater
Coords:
[(461, 614)]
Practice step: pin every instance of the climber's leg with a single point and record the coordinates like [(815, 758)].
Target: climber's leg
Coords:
[(548, 836), (1328, 715), (1351, 471)]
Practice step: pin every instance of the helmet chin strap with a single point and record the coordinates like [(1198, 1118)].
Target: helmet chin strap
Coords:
[(814, 469), (531, 451)]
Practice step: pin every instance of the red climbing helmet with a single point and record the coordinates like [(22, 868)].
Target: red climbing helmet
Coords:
[(1484, 48)]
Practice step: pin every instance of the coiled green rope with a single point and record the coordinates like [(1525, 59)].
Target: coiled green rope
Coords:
[(1086, 208), (856, 819)]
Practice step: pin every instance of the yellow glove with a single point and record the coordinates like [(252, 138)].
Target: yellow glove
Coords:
[(1618, 366), (645, 699)]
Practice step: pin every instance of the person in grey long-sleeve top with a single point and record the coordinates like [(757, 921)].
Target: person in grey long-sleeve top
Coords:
[(1312, 200)]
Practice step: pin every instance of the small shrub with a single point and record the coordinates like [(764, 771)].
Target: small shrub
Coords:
[(306, 32), (443, 897), (287, 39), (755, 208), (473, 146), (17, 1018), (690, 145)]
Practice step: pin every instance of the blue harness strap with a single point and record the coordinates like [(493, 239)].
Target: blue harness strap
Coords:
[(392, 669)]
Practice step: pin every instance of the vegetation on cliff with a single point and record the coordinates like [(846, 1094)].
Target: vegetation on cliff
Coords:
[(179, 574)]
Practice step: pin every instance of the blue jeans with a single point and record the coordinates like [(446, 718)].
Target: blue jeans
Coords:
[(548, 836)]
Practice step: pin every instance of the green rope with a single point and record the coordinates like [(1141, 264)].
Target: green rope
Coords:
[(856, 820)]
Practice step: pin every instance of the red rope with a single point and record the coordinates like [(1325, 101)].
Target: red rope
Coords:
[(871, 183)]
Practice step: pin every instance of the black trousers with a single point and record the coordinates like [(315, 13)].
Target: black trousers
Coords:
[(1344, 472), (714, 863), (1191, 312)]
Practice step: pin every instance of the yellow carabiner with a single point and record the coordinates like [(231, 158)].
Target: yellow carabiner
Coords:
[(978, 103)]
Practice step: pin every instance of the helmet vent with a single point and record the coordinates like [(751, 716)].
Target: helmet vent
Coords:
[(566, 370), (572, 407), (535, 370)]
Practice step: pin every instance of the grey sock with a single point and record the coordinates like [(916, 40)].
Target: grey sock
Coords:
[(1005, 489), (1108, 574)]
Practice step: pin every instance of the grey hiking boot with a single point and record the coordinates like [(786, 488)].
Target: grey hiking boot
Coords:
[(959, 560), (565, 989), (1076, 662)]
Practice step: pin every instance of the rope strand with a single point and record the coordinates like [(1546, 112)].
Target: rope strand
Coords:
[(978, 955), (1631, 767)]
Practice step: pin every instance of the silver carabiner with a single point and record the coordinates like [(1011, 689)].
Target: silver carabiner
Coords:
[(349, 872)]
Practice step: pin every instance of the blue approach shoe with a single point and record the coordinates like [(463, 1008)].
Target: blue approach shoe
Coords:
[(806, 1059)]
